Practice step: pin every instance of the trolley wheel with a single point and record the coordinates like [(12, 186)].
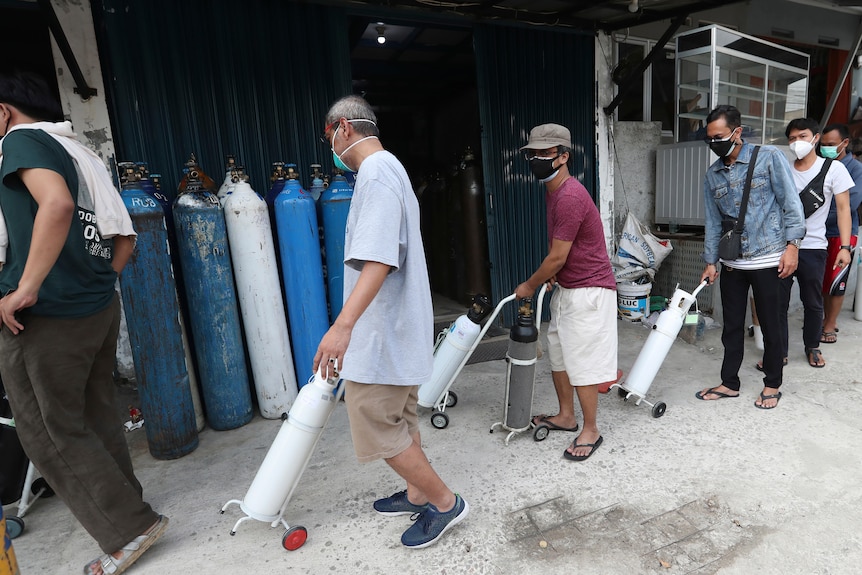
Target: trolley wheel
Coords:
[(622, 392), (451, 399), (658, 409), (294, 538), (541, 433), (14, 526), (38, 485), (439, 420)]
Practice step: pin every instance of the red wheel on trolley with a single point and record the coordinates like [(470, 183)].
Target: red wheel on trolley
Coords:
[(294, 538)]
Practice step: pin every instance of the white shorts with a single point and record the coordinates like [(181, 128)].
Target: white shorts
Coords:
[(582, 336)]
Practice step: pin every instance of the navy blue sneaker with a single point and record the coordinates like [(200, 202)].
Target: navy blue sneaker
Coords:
[(397, 504), (431, 524)]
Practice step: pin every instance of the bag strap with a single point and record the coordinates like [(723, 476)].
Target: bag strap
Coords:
[(817, 181), (740, 221)]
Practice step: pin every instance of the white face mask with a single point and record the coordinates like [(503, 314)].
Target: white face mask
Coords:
[(801, 148)]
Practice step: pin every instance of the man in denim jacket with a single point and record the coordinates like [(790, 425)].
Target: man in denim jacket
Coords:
[(773, 230)]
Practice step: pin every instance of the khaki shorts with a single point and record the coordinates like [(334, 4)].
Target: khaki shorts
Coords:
[(582, 335), (382, 418)]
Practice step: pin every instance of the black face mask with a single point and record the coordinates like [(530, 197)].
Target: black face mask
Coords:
[(543, 168), (723, 148)]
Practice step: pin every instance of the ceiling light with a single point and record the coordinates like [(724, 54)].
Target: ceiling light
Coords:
[(381, 33), (633, 7)]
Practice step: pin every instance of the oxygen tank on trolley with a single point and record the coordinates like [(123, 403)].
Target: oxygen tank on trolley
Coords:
[(334, 208), (208, 275), (656, 348), (452, 345), (302, 270), (155, 332), (521, 360), (287, 458), (253, 255)]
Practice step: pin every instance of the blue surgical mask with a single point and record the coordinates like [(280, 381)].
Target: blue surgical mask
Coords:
[(336, 158)]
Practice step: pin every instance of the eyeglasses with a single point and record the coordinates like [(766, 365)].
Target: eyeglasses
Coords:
[(709, 140), (324, 138), (534, 155)]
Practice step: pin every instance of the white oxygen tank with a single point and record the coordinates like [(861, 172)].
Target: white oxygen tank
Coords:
[(290, 452), (252, 252), (857, 307), (659, 342), (451, 349)]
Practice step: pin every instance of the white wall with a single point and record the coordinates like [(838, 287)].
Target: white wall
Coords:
[(604, 140), (634, 161), (89, 118)]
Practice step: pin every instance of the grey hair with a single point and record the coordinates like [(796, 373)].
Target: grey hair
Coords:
[(354, 108)]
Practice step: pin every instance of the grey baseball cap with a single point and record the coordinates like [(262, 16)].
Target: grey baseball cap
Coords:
[(547, 136)]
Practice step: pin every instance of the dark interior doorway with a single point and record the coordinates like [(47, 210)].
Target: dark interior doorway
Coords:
[(421, 80)]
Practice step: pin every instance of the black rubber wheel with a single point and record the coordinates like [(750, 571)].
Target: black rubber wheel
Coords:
[(751, 331), (541, 433), (622, 392), (14, 526), (439, 420), (451, 399), (294, 538), (40, 484), (658, 409)]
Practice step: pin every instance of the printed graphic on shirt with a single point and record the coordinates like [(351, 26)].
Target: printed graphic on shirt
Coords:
[(93, 242)]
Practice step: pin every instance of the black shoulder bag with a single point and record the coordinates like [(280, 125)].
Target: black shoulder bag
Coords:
[(730, 244), (812, 195)]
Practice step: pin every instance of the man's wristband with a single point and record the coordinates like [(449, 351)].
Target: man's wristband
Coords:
[(848, 248)]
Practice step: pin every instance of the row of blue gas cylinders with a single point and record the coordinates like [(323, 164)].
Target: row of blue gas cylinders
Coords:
[(211, 287)]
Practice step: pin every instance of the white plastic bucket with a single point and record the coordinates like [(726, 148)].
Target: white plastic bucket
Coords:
[(633, 300)]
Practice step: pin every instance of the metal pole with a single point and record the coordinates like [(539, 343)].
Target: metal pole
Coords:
[(81, 87), (638, 72), (851, 56)]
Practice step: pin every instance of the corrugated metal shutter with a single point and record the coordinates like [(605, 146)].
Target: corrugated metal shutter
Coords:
[(528, 77), (217, 77)]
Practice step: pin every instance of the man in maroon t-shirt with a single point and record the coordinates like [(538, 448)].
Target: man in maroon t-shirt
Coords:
[(582, 336)]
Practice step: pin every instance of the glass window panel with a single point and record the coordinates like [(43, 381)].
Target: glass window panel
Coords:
[(662, 91), (694, 104), (740, 83)]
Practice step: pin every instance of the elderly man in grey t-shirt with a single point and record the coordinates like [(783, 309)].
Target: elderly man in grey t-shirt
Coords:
[(382, 339)]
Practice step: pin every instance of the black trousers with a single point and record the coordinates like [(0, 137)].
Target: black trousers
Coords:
[(767, 288), (809, 274)]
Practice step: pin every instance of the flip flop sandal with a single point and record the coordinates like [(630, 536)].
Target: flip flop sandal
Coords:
[(545, 421), (592, 446), (712, 391), (131, 551), (776, 397), (829, 336), (814, 357)]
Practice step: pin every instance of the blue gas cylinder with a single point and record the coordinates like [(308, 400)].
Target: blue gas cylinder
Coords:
[(335, 205), (211, 297), (302, 271), (152, 315)]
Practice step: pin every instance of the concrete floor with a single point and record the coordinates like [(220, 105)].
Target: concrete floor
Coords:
[(711, 487)]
